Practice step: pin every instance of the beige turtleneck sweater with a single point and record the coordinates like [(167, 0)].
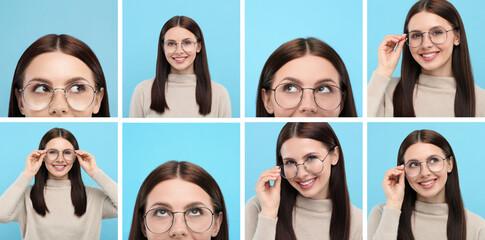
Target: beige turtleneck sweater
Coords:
[(433, 96), (428, 221), (311, 220), (60, 222), (180, 96)]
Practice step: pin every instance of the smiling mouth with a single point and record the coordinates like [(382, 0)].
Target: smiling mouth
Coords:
[(179, 59), (307, 182), (59, 167), (427, 183), (429, 56)]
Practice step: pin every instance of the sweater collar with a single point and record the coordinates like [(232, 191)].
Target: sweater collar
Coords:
[(58, 183), (431, 208), (320, 206), (437, 82), (182, 78)]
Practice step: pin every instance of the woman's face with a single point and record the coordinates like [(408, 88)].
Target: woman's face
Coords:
[(434, 59), (59, 168), (429, 186), (299, 150), (181, 61), (57, 70), (178, 195), (305, 72)]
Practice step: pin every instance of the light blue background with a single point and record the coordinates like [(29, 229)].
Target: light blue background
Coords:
[(466, 140), (18, 140), (91, 21), (214, 147), (261, 154), (387, 18), (142, 22), (271, 23)]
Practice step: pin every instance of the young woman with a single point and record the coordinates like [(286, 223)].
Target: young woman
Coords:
[(299, 65), (423, 199), (182, 86), (436, 76), (58, 76), (58, 205), (310, 201), (179, 200)]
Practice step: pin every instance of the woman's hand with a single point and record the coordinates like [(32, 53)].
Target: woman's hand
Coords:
[(87, 161), (387, 56), (34, 161), (393, 186), (269, 196)]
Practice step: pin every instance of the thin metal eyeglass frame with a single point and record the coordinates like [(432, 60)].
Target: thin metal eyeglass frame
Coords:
[(421, 166), (173, 219), (52, 160), (422, 37), (177, 45), (65, 96), (304, 166), (301, 96)]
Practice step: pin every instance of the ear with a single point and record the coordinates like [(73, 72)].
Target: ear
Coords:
[(450, 165), (98, 98), (266, 97), (335, 155), (217, 224), (199, 47), (19, 101), (456, 41), (143, 228)]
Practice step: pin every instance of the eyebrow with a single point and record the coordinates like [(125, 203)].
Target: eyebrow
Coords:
[(189, 205), (437, 26), (185, 39), (427, 158), (69, 81), (297, 81), (304, 156)]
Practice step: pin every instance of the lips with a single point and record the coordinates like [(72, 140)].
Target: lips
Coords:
[(179, 59), (59, 167), (427, 184), (307, 184), (429, 56)]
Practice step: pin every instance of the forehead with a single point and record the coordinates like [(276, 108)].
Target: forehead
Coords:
[(57, 68), (59, 143), (421, 151), (309, 70), (298, 147), (178, 34), (177, 193), (423, 21)]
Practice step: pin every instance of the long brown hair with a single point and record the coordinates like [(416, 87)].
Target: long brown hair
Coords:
[(461, 65), (65, 44), (78, 191), (338, 192), (203, 90), (187, 172), (298, 48), (456, 226)]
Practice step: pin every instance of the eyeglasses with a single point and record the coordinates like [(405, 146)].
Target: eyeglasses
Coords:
[(434, 163), (197, 219), (312, 165), (171, 47), (437, 36), (289, 95), (68, 154), (38, 95)]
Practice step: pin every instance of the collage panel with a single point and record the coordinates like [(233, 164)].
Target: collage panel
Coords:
[(170, 168), (37, 200), (303, 44), (424, 187), (57, 45), (323, 174), (431, 49), (203, 38)]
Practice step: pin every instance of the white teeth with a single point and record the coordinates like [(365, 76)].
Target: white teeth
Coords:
[(59, 167), (429, 55), (179, 59), (308, 182), (427, 183)]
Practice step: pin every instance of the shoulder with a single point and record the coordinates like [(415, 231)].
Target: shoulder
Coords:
[(479, 92), (218, 89), (378, 209), (95, 192), (253, 203), (144, 86), (355, 212), (475, 219)]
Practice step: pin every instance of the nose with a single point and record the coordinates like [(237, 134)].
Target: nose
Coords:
[(424, 169), (307, 104), (427, 41), (179, 48), (302, 172), (179, 228), (58, 105)]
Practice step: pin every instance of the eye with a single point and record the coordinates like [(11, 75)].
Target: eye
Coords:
[(67, 152), (195, 212), (187, 43), (77, 88), (323, 89), (41, 88), (290, 163), (170, 44), (290, 88), (437, 32), (434, 160), (52, 152), (416, 35), (161, 212), (413, 164)]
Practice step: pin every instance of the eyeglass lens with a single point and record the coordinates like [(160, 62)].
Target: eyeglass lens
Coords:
[(171, 47), (198, 219), (437, 36), (289, 95), (38, 96), (413, 168), (312, 165), (67, 154)]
